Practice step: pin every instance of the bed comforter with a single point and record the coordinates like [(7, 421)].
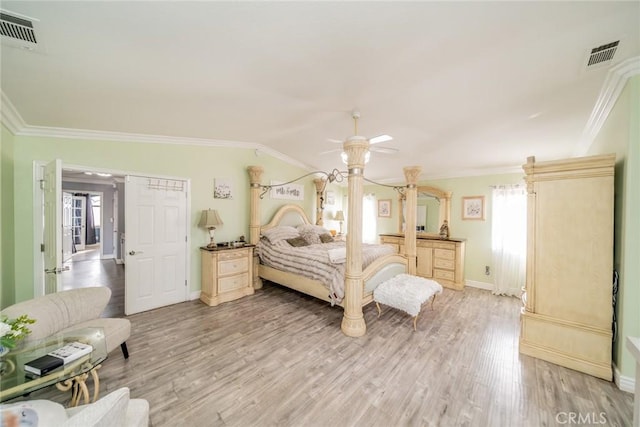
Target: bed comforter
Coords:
[(313, 261)]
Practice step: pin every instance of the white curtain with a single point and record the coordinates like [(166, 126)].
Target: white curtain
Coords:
[(369, 228), (509, 239)]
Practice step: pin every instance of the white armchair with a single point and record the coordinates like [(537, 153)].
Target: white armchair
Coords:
[(113, 410)]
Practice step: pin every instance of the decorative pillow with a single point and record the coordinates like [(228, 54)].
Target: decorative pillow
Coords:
[(296, 242), (326, 238), (111, 410), (33, 413), (311, 236), (283, 232), (318, 229)]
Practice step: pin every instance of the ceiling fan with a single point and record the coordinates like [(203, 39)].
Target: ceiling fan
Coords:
[(355, 114)]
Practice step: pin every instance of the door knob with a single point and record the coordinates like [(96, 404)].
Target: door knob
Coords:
[(134, 252)]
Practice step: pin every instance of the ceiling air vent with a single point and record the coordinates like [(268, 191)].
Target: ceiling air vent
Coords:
[(19, 30), (602, 54)]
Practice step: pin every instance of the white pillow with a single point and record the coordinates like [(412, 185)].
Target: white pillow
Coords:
[(318, 229), (282, 232), (110, 411), (33, 413)]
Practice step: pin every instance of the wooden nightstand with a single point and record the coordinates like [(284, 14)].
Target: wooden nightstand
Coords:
[(226, 274)]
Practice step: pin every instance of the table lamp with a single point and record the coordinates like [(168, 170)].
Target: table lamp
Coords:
[(209, 220), (340, 217)]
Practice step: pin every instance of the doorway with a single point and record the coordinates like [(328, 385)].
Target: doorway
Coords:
[(106, 271)]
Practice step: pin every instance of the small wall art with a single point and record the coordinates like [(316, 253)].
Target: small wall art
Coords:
[(473, 208), (384, 208), (222, 188), (330, 198), (287, 191)]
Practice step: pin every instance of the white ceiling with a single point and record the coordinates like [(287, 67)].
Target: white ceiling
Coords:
[(464, 87)]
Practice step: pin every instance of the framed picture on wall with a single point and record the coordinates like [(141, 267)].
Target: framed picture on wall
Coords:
[(222, 188), (473, 207), (384, 208), (330, 198)]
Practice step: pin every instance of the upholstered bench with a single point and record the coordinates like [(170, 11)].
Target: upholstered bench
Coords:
[(407, 293)]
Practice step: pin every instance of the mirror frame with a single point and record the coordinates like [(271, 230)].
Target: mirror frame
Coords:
[(445, 207)]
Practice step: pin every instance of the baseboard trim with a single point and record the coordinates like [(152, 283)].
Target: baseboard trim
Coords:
[(194, 295), (624, 383), (479, 285), (119, 261)]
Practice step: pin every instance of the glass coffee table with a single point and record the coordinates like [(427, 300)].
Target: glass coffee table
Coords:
[(14, 382)]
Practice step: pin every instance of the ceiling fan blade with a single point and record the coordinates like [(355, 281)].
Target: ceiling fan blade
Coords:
[(384, 150), (380, 138), (335, 141), (335, 150)]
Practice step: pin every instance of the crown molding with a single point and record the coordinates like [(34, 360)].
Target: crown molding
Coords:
[(465, 173), (611, 89), (10, 116), (14, 122)]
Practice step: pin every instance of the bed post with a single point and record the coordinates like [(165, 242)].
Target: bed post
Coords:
[(411, 174), (319, 182), (255, 176), (353, 324)]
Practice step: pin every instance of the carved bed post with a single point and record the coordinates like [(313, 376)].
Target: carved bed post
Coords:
[(319, 182), (255, 176), (353, 324), (411, 174)]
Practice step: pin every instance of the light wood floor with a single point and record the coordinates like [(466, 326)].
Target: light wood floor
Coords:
[(279, 358)]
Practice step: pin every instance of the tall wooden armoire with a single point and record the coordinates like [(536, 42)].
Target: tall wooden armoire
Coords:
[(567, 313)]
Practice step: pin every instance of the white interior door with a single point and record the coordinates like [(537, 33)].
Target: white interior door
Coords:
[(156, 221), (67, 239), (52, 226), (79, 221)]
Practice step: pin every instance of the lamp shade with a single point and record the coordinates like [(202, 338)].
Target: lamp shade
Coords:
[(339, 216), (210, 219)]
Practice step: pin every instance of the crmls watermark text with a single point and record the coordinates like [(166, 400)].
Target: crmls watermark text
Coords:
[(579, 418)]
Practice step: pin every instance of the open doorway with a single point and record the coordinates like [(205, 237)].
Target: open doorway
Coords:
[(91, 249)]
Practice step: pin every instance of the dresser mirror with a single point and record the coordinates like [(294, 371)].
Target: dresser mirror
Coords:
[(434, 206)]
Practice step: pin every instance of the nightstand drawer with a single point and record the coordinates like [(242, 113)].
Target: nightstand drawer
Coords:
[(226, 284), (233, 266), (443, 274), (444, 254), (231, 255), (449, 264)]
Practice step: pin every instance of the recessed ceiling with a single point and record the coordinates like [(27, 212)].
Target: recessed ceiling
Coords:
[(463, 87)]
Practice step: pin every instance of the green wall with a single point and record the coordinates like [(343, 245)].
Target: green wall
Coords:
[(621, 135), (477, 233), (7, 232), (201, 164)]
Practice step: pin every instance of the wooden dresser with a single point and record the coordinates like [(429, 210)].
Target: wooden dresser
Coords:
[(437, 259), (567, 313), (226, 274)]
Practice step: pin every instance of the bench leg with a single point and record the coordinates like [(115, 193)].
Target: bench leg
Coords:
[(125, 351), (415, 320), (433, 300), (379, 310)]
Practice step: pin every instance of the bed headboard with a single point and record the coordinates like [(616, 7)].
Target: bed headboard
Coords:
[(292, 215)]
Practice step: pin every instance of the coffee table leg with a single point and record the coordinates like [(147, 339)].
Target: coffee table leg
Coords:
[(79, 389)]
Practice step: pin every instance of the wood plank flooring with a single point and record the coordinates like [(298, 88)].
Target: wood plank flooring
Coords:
[(279, 358)]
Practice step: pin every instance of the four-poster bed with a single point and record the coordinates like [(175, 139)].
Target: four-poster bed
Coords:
[(359, 281)]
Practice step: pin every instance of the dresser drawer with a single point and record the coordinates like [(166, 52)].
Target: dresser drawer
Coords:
[(443, 274), (445, 245), (444, 254), (233, 266), (448, 264), (226, 284)]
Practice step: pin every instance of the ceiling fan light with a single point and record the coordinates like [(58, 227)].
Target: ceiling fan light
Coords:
[(344, 157)]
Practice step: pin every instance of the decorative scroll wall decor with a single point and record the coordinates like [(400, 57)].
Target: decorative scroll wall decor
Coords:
[(287, 191)]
